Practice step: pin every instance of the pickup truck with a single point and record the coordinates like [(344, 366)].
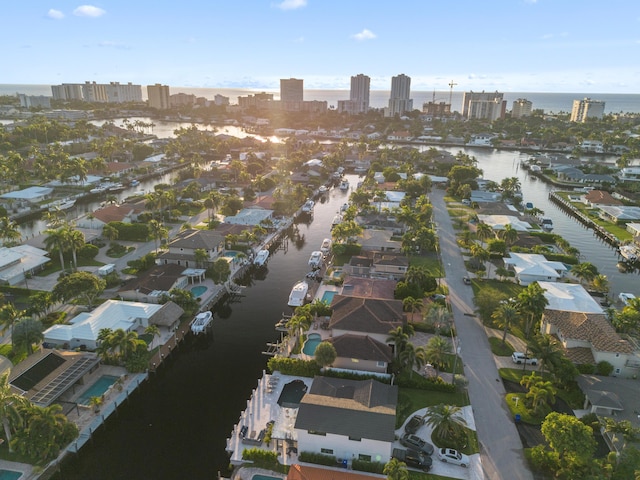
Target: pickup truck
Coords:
[(519, 358), (413, 458)]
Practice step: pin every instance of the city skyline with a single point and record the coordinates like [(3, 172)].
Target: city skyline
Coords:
[(511, 46)]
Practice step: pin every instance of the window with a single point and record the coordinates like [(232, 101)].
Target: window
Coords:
[(364, 458), (326, 451), (355, 439), (355, 360), (381, 364)]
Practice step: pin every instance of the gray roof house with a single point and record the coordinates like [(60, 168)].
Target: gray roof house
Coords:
[(348, 418), (365, 316), (182, 248), (361, 353)]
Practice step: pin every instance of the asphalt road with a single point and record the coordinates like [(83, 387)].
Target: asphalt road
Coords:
[(500, 446)]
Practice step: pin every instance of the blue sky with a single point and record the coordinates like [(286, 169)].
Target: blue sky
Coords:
[(508, 45)]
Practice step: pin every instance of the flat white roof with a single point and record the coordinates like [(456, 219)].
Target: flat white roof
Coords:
[(28, 193), (499, 222), (569, 297)]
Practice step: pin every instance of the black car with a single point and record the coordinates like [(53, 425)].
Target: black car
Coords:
[(416, 443), (466, 280), (413, 458), (414, 424)]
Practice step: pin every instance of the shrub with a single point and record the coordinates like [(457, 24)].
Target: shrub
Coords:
[(88, 251), (261, 458), (364, 466), (135, 232), (586, 368), (436, 384), (294, 366), (604, 368), (317, 458)]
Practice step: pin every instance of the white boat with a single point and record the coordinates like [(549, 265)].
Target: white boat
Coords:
[(62, 205), (261, 257), (308, 206), (326, 246), (98, 189), (315, 260), (323, 189), (135, 183), (200, 322), (547, 223), (337, 219), (116, 187), (625, 297), (629, 252), (298, 294), (344, 185)]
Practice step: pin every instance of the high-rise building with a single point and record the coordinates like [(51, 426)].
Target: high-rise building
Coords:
[(587, 108), (67, 91), (34, 101), (117, 93), (488, 106), (291, 90), (521, 108), (400, 101), (94, 92), (359, 95), (159, 96)]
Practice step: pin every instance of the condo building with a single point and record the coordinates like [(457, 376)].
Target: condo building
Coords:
[(67, 91), (521, 108), (359, 96), (159, 96), (400, 101), (586, 108), (483, 105)]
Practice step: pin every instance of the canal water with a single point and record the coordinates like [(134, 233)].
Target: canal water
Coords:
[(176, 426)]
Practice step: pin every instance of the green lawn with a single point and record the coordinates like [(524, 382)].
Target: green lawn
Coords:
[(413, 399), (516, 404), (500, 349), (429, 262), (54, 265)]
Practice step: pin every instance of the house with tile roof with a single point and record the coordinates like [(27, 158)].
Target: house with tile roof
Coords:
[(361, 353), (533, 267), (348, 419), (600, 197), (589, 338), (312, 472), (124, 212), (389, 265), (365, 316), (183, 246), (151, 286)]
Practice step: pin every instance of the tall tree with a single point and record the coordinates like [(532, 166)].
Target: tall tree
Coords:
[(325, 354), (505, 316), (10, 403), (9, 316), (157, 231), (531, 304), (547, 350), (436, 352), (446, 421), (57, 239), (26, 333)]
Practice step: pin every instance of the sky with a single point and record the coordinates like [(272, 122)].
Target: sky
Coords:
[(590, 46)]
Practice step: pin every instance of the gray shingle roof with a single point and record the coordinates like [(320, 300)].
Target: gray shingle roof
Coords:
[(366, 314)]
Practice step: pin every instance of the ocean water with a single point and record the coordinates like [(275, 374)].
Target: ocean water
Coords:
[(549, 102)]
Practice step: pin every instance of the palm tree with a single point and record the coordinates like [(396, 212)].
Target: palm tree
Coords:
[(600, 283), (399, 339), (479, 254), (509, 235), (47, 424), (585, 271), (410, 304), (27, 332), (152, 330), (201, 257), (125, 342), (75, 240), (10, 404), (394, 469), (531, 304), (505, 315), (484, 231), (110, 232), (9, 316), (409, 357), (446, 421), (541, 393), (56, 239), (157, 231), (436, 352), (547, 350), (9, 231)]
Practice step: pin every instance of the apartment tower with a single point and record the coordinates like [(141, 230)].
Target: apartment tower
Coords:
[(159, 96), (400, 101), (587, 108), (481, 105), (521, 108)]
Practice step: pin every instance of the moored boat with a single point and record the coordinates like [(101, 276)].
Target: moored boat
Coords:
[(298, 294), (323, 189), (134, 183), (546, 223), (344, 185), (326, 246), (261, 257), (629, 252), (337, 219), (200, 322), (315, 260), (625, 297), (308, 206), (116, 187)]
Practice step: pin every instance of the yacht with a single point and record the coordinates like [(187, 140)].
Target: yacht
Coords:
[(315, 260), (200, 322), (308, 206), (629, 252), (62, 204), (99, 189), (116, 187), (326, 246), (298, 294), (547, 223), (625, 297), (135, 183), (344, 185), (261, 257), (337, 219)]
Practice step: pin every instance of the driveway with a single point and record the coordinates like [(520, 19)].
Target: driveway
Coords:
[(500, 446)]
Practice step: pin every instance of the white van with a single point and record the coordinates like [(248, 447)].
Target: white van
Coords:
[(105, 270)]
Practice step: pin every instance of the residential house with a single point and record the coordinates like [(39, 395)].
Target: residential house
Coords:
[(389, 265), (182, 248), (599, 197), (634, 229), (569, 297), (499, 222), (250, 216), (480, 196), (83, 330), (153, 285), (380, 221), (380, 288), (530, 268), (29, 195), (19, 262), (309, 472), (619, 213), (349, 419), (365, 316), (589, 338), (629, 174), (125, 212), (379, 240), (361, 353)]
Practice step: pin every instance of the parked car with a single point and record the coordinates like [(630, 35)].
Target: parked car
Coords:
[(414, 424), (449, 455), (520, 358), (415, 442), (466, 280), (438, 296), (413, 458)]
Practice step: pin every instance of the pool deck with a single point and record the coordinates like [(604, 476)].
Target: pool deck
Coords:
[(262, 408)]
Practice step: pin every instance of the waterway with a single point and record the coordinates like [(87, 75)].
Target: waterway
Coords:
[(176, 426)]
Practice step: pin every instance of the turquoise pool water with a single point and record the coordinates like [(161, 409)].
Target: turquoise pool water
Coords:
[(198, 291), (11, 475), (231, 254), (257, 476), (311, 343), (327, 297), (98, 388)]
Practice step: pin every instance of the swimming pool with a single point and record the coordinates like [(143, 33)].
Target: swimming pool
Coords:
[(12, 475), (230, 254), (100, 386), (257, 476), (327, 296), (311, 343), (198, 291)]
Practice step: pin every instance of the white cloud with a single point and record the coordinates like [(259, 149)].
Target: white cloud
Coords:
[(88, 11), (55, 14), (290, 4), (364, 35)]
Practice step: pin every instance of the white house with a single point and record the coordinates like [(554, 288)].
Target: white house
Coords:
[(19, 262), (530, 267), (249, 216), (29, 194), (499, 222), (82, 331), (348, 419), (569, 297)]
